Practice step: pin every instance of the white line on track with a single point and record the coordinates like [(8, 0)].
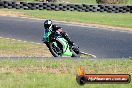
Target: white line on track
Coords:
[(20, 40)]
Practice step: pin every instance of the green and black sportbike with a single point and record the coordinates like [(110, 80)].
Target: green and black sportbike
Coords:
[(59, 46)]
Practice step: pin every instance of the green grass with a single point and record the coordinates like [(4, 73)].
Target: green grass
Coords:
[(58, 73), (129, 2), (14, 48), (89, 1), (67, 1), (112, 19), (82, 1), (76, 1)]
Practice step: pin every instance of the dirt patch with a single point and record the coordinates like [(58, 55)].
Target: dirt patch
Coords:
[(41, 69), (109, 27), (97, 25), (11, 13), (25, 53)]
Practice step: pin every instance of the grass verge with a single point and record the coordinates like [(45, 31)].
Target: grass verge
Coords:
[(111, 19), (74, 1), (58, 73), (90, 1), (14, 48)]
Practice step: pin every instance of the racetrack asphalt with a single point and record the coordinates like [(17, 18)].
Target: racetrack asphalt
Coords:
[(101, 42)]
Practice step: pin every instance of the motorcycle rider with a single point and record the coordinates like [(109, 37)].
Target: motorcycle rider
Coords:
[(48, 25)]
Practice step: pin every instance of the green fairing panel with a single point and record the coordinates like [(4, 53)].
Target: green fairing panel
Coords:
[(47, 36), (66, 48)]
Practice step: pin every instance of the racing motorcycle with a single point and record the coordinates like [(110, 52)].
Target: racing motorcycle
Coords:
[(59, 46)]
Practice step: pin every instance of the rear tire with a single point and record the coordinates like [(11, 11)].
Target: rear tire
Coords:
[(75, 52)]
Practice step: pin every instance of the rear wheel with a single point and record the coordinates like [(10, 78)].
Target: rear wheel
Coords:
[(75, 52)]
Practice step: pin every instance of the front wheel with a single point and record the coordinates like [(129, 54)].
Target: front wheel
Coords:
[(56, 49)]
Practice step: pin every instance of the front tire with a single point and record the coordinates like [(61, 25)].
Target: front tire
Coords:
[(56, 51)]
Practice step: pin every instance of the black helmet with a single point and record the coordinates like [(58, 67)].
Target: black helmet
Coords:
[(48, 24)]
